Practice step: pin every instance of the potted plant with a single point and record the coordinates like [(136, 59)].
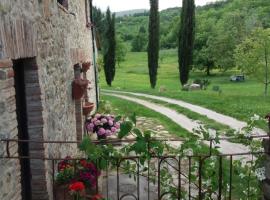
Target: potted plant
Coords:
[(86, 66), (102, 125), (79, 87), (87, 108), (76, 179)]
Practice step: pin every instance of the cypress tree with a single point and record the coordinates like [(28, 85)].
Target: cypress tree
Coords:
[(109, 48), (186, 39), (153, 42)]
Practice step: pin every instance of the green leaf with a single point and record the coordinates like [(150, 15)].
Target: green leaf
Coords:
[(140, 146), (85, 143), (137, 132), (125, 129), (102, 163), (133, 118), (117, 118)]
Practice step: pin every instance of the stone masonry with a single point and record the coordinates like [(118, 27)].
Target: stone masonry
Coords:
[(55, 39)]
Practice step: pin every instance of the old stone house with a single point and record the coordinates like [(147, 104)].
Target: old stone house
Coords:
[(42, 46)]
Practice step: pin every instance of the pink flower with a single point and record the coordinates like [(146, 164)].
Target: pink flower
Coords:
[(94, 119), (101, 131), (90, 127), (113, 129), (117, 125), (110, 122), (97, 115), (103, 120), (97, 122), (108, 132)]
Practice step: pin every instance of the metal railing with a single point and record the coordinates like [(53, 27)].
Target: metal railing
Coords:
[(147, 182)]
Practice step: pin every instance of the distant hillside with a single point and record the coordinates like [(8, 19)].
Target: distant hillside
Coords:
[(130, 12)]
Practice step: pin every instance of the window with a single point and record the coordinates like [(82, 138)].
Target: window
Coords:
[(64, 3)]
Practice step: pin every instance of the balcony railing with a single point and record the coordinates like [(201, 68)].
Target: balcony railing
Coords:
[(187, 175)]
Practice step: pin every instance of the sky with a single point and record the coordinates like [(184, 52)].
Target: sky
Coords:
[(121, 5)]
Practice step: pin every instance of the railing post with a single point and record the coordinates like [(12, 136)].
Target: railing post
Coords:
[(266, 183)]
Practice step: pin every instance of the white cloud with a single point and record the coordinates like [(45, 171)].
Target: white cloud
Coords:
[(121, 5)]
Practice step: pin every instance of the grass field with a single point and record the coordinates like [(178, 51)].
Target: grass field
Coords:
[(240, 100)]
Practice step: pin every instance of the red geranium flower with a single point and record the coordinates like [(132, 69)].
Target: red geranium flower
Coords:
[(76, 187), (97, 197), (83, 162)]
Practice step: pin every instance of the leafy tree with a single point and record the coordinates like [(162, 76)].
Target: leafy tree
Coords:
[(109, 49), (186, 39), (253, 56), (153, 42), (121, 51), (203, 56), (139, 42)]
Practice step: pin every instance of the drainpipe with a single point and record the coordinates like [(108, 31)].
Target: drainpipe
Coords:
[(94, 53)]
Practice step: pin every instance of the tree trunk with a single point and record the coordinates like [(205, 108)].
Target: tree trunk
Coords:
[(208, 70)]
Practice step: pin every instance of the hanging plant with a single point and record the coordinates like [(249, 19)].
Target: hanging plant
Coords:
[(86, 66), (87, 108), (79, 86)]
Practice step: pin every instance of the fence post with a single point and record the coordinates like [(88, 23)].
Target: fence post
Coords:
[(266, 183)]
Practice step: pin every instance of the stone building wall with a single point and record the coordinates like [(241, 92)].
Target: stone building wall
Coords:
[(9, 169), (56, 39)]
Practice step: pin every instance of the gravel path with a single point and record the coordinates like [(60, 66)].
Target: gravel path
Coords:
[(226, 147), (220, 118)]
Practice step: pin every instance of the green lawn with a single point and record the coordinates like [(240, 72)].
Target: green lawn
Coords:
[(240, 100), (124, 108)]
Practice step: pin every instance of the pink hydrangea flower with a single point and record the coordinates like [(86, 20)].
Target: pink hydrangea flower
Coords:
[(101, 131), (103, 120), (94, 119), (108, 132), (117, 125), (113, 129), (110, 122), (97, 122), (90, 127), (97, 115)]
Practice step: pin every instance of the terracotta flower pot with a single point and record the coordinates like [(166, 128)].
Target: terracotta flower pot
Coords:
[(79, 87), (86, 66), (87, 108)]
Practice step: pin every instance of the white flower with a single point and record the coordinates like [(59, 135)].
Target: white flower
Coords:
[(212, 164), (247, 134), (188, 152), (242, 175), (212, 133), (260, 173), (228, 188), (255, 117)]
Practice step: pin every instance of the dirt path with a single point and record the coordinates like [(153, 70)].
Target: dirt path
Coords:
[(220, 118), (226, 147)]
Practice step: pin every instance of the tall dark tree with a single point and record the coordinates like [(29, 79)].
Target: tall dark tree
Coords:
[(153, 42), (98, 20), (186, 39), (109, 48)]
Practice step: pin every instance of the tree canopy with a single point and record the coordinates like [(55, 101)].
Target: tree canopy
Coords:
[(253, 54)]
